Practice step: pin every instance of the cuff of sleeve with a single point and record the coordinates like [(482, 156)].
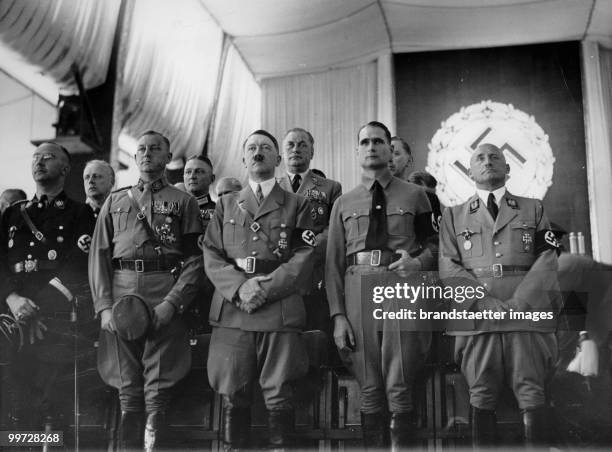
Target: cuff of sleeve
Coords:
[(179, 306), (103, 307)]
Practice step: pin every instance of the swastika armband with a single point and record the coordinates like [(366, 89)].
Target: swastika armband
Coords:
[(302, 237), (545, 240)]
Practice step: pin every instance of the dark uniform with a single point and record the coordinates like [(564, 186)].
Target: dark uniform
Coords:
[(322, 194), (123, 261), (243, 240), (46, 262), (513, 259), (384, 362)]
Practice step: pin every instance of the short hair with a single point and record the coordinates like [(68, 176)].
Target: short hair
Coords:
[(318, 172), (265, 133), (60, 147), (156, 133), (299, 129), (423, 178), (13, 194), (105, 164), (201, 158), (380, 125), (404, 144)]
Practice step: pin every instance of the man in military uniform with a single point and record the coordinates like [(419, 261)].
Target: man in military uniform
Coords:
[(98, 181), (198, 176), (9, 196), (258, 247), (44, 244), (501, 244), (298, 150), (145, 243), (379, 228)]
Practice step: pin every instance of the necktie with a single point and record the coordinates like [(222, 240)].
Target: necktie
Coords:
[(259, 194), (377, 237), (295, 183), (492, 206)]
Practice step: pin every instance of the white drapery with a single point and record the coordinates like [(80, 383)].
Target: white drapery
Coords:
[(237, 114), (170, 74), (597, 76), (331, 105)]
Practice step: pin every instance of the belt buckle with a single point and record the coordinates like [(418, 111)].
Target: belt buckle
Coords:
[(39, 236), (30, 265), (250, 265), (139, 265), (375, 257), (254, 227), (498, 271)]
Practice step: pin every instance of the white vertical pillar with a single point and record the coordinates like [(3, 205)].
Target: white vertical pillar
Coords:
[(386, 92), (598, 119)]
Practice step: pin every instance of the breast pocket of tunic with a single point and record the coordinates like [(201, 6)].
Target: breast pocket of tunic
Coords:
[(523, 236), (356, 222), (120, 218), (234, 230), (470, 241), (400, 221)]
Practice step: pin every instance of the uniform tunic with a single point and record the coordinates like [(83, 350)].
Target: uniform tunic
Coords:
[(509, 259), (322, 194), (28, 264), (265, 344), (384, 362), (152, 365)]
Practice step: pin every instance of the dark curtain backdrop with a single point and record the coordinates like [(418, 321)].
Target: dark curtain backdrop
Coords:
[(541, 80)]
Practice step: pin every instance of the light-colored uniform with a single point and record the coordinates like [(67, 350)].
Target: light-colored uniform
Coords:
[(123, 260), (322, 194), (273, 238), (386, 358), (512, 259)]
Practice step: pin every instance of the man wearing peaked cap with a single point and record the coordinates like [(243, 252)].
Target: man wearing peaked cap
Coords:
[(43, 260)]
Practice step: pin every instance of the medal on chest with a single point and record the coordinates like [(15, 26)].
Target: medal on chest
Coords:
[(283, 244), (467, 235), (527, 240), (164, 231)]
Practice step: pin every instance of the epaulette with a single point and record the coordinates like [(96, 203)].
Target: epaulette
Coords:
[(122, 189)]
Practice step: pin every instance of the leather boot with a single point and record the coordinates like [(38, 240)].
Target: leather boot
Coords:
[(281, 424), (373, 428), (154, 431), (484, 428), (130, 431), (402, 428), (236, 427), (535, 423)]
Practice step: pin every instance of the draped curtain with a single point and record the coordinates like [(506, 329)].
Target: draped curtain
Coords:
[(237, 114), (597, 72), (170, 73), (52, 35), (331, 105)]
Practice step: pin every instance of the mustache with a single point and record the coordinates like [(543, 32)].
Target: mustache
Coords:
[(258, 158)]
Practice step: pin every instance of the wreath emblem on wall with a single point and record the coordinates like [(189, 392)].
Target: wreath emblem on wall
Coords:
[(525, 145)]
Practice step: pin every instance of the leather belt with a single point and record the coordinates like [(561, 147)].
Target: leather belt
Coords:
[(498, 270), (252, 265), (145, 265), (34, 265), (373, 258)]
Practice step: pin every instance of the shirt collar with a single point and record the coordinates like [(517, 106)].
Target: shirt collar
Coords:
[(156, 185), (384, 179), (292, 175), (484, 194), (203, 199), (266, 186), (58, 201)]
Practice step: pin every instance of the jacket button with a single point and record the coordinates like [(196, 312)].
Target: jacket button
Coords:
[(254, 253), (496, 243), (232, 221), (255, 238), (498, 254)]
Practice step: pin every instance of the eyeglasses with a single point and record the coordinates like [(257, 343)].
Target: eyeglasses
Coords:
[(44, 157)]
